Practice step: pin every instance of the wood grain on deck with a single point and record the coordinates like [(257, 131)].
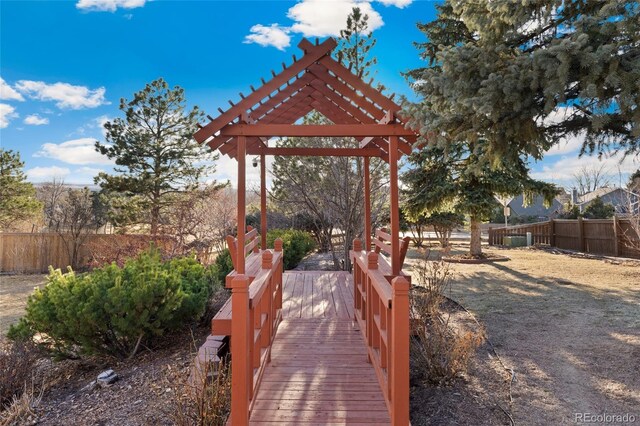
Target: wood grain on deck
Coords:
[(319, 372)]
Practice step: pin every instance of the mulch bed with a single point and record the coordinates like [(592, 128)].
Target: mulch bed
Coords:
[(479, 397)]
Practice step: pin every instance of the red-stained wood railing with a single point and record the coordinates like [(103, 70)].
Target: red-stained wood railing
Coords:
[(382, 243), (382, 310), (256, 311)]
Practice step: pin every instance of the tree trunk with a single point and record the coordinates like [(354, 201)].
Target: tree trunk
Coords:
[(476, 243)]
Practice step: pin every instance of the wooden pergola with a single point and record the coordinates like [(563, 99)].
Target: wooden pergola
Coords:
[(318, 82)]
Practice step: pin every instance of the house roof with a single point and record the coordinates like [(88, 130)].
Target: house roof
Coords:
[(317, 82), (599, 192)]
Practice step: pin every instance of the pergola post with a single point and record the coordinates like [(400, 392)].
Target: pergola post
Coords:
[(263, 202), (367, 204), (242, 165), (395, 207)]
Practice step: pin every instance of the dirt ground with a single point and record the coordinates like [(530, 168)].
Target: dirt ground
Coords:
[(568, 326), (14, 291)]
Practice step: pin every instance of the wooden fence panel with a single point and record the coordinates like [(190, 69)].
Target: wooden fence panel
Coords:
[(34, 253), (567, 234), (606, 237)]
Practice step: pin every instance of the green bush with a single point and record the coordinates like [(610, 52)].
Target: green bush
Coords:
[(113, 310), (295, 244), (223, 265)]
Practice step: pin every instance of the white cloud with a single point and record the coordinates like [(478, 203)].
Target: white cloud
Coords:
[(77, 151), (43, 174), (567, 145), (7, 113), (322, 18), (99, 122), (65, 94), (317, 18), (8, 93), (36, 120), (397, 3), (108, 5), (562, 171), (227, 169), (273, 35)]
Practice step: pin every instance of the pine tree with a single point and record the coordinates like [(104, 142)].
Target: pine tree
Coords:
[(356, 42), (17, 196), (523, 75), (457, 180), (156, 156)]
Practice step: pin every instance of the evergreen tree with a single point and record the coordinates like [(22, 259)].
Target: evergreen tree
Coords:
[(156, 156), (522, 75), (356, 42), (17, 196), (457, 180), (597, 209)]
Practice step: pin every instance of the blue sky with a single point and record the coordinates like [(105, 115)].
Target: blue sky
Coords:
[(65, 65)]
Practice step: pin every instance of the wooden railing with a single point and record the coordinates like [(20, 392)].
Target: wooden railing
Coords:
[(382, 310), (382, 243), (256, 311), (251, 244)]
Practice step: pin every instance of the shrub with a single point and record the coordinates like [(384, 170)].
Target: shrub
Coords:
[(438, 350), (17, 360), (223, 265), (597, 209), (114, 310), (295, 244)]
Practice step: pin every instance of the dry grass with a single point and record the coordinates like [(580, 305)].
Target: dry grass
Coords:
[(568, 325), (21, 409), (440, 351), (14, 292), (17, 368), (205, 398)]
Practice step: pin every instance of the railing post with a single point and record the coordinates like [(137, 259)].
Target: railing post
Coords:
[(267, 335), (277, 244), (552, 233), (372, 260), (399, 371), (241, 373), (490, 236), (357, 245)]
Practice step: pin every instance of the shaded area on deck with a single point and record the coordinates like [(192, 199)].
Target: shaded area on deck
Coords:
[(319, 372)]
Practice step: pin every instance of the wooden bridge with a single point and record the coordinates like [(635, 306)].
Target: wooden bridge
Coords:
[(315, 347)]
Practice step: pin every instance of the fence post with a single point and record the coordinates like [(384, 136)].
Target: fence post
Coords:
[(552, 233), (490, 236), (241, 373), (616, 243), (581, 244), (399, 370)]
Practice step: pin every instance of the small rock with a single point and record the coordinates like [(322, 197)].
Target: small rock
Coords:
[(107, 378)]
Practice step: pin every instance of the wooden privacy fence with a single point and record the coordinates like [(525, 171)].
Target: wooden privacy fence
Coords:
[(609, 237), (34, 253)]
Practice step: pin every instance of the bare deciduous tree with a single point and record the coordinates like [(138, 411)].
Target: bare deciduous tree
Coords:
[(590, 178), (73, 217)]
